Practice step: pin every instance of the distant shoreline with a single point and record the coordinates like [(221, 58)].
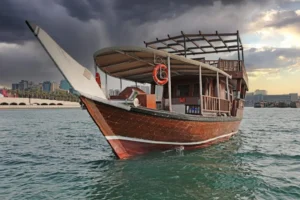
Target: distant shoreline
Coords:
[(9, 107)]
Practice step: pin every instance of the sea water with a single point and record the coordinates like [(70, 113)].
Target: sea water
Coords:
[(60, 154)]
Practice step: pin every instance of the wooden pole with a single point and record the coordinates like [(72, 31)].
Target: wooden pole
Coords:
[(106, 86), (228, 96), (227, 88), (200, 90), (243, 55), (218, 91), (152, 88), (169, 84), (238, 48), (184, 47)]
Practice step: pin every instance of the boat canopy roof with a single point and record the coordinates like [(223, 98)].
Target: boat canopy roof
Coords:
[(137, 63), (198, 43)]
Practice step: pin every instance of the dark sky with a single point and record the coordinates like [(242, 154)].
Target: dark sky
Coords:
[(82, 27)]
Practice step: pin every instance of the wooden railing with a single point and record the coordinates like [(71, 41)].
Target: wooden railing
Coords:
[(210, 104), (229, 66), (225, 106)]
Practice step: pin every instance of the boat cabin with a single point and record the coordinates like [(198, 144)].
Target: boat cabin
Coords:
[(190, 84)]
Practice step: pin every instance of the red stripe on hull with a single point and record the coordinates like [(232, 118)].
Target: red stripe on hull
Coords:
[(131, 148)]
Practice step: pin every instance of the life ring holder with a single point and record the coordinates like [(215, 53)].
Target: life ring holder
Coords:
[(157, 80)]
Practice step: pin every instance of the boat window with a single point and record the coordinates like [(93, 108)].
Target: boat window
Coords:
[(182, 90), (196, 90)]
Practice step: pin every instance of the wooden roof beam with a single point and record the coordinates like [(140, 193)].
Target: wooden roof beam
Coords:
[(179, 43), (210, 34), (161, 40), (164, 43), (211, 52), (228, 41), (222, 41), (199, 47), (208, 42)]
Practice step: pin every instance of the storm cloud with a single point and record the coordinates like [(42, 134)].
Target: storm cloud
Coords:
[(83, 27)]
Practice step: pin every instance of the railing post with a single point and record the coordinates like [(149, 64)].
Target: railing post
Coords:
[(169, 84), (218, 91), (200, 90)]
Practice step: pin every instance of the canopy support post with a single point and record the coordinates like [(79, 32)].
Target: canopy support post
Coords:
[(106, 86), (120, 85), (169, 85), (227, 88), (218, 92), (228, 95), (238, 48), (200, 90)]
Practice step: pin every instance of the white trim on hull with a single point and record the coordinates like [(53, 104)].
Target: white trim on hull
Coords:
[(117, 137)]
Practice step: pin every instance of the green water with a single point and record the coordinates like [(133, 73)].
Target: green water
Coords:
[(60, 154)]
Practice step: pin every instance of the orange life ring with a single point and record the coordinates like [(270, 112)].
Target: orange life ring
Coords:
[(154, 74)]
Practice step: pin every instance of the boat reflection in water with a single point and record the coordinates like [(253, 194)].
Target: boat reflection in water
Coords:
[(202, 100)]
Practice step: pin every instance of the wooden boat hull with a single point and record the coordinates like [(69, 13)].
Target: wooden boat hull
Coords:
[(138, 131)]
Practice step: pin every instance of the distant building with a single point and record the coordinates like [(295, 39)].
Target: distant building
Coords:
[(64, 85), (54, 86), (294, 96), (23, 85), (262, 92), (15, 86), (252, 98), (30, 84), (287, 98), (46, 86), (36, 86)]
